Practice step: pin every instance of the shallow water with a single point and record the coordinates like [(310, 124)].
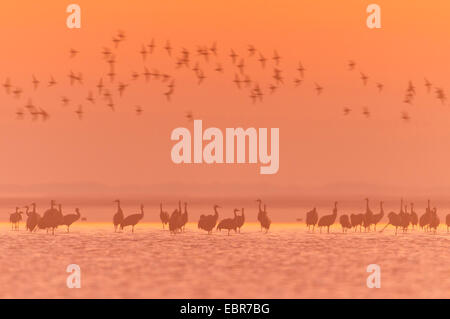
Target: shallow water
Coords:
[(288, 262)]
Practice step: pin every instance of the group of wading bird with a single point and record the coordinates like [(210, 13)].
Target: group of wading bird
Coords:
[(429, 221), (196, 62), (177, 220)]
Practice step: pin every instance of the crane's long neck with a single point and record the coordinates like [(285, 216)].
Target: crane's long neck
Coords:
[(160, 207), (142, 211), (34, 208), (381, 207), (78, 212), (367, 204), (215, 211), (259, 206)]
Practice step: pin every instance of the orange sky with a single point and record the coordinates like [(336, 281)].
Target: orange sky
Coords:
[(318, 145)]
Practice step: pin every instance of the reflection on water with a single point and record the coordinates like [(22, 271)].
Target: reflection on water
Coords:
[(288, 262)]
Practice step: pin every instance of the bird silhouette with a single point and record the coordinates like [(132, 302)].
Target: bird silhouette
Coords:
[(328, 220), (164, 216), (132, 220), (32, 219), (377, 217), (69, 219), (208, 222), (228, 223), (73, 53), (265, 220), (364, 78), (312, 218), (301, 69), (434, 220), (239, 220), (318, 89), (345, 223), (413, 216), (175, 220), (51, 218), (351, 65), (447, 222), (118, 216), (184, 217), (15, 219)]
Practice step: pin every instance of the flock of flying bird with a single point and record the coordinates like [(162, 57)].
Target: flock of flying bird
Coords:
[(199, 63), (177, 220), (429, 221)]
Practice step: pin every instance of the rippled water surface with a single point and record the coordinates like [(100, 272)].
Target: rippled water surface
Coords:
[(288, 262)]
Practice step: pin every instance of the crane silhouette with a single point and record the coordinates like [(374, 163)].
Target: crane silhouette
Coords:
[(228, 223), (132, 220), (69, 219), (118, 217), (164, 216), (328, 220), (15, 218), (208, 222), (32, 219), (311, 218), (240, 219)]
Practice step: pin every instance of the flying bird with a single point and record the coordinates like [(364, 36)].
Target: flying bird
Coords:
[(73, 53), (35, 82), (251, 50), (318, 89), (276, 57), (233, 56), (262, 60), (138, 110), (7, 85), (151, 46), (79, 112), (428, 85), (52, 81), (351, 65), (366, 112), (168, 48), (143, 52), (405, 116), (364, 78), (301, 69), (100, 86), (380, 87)]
